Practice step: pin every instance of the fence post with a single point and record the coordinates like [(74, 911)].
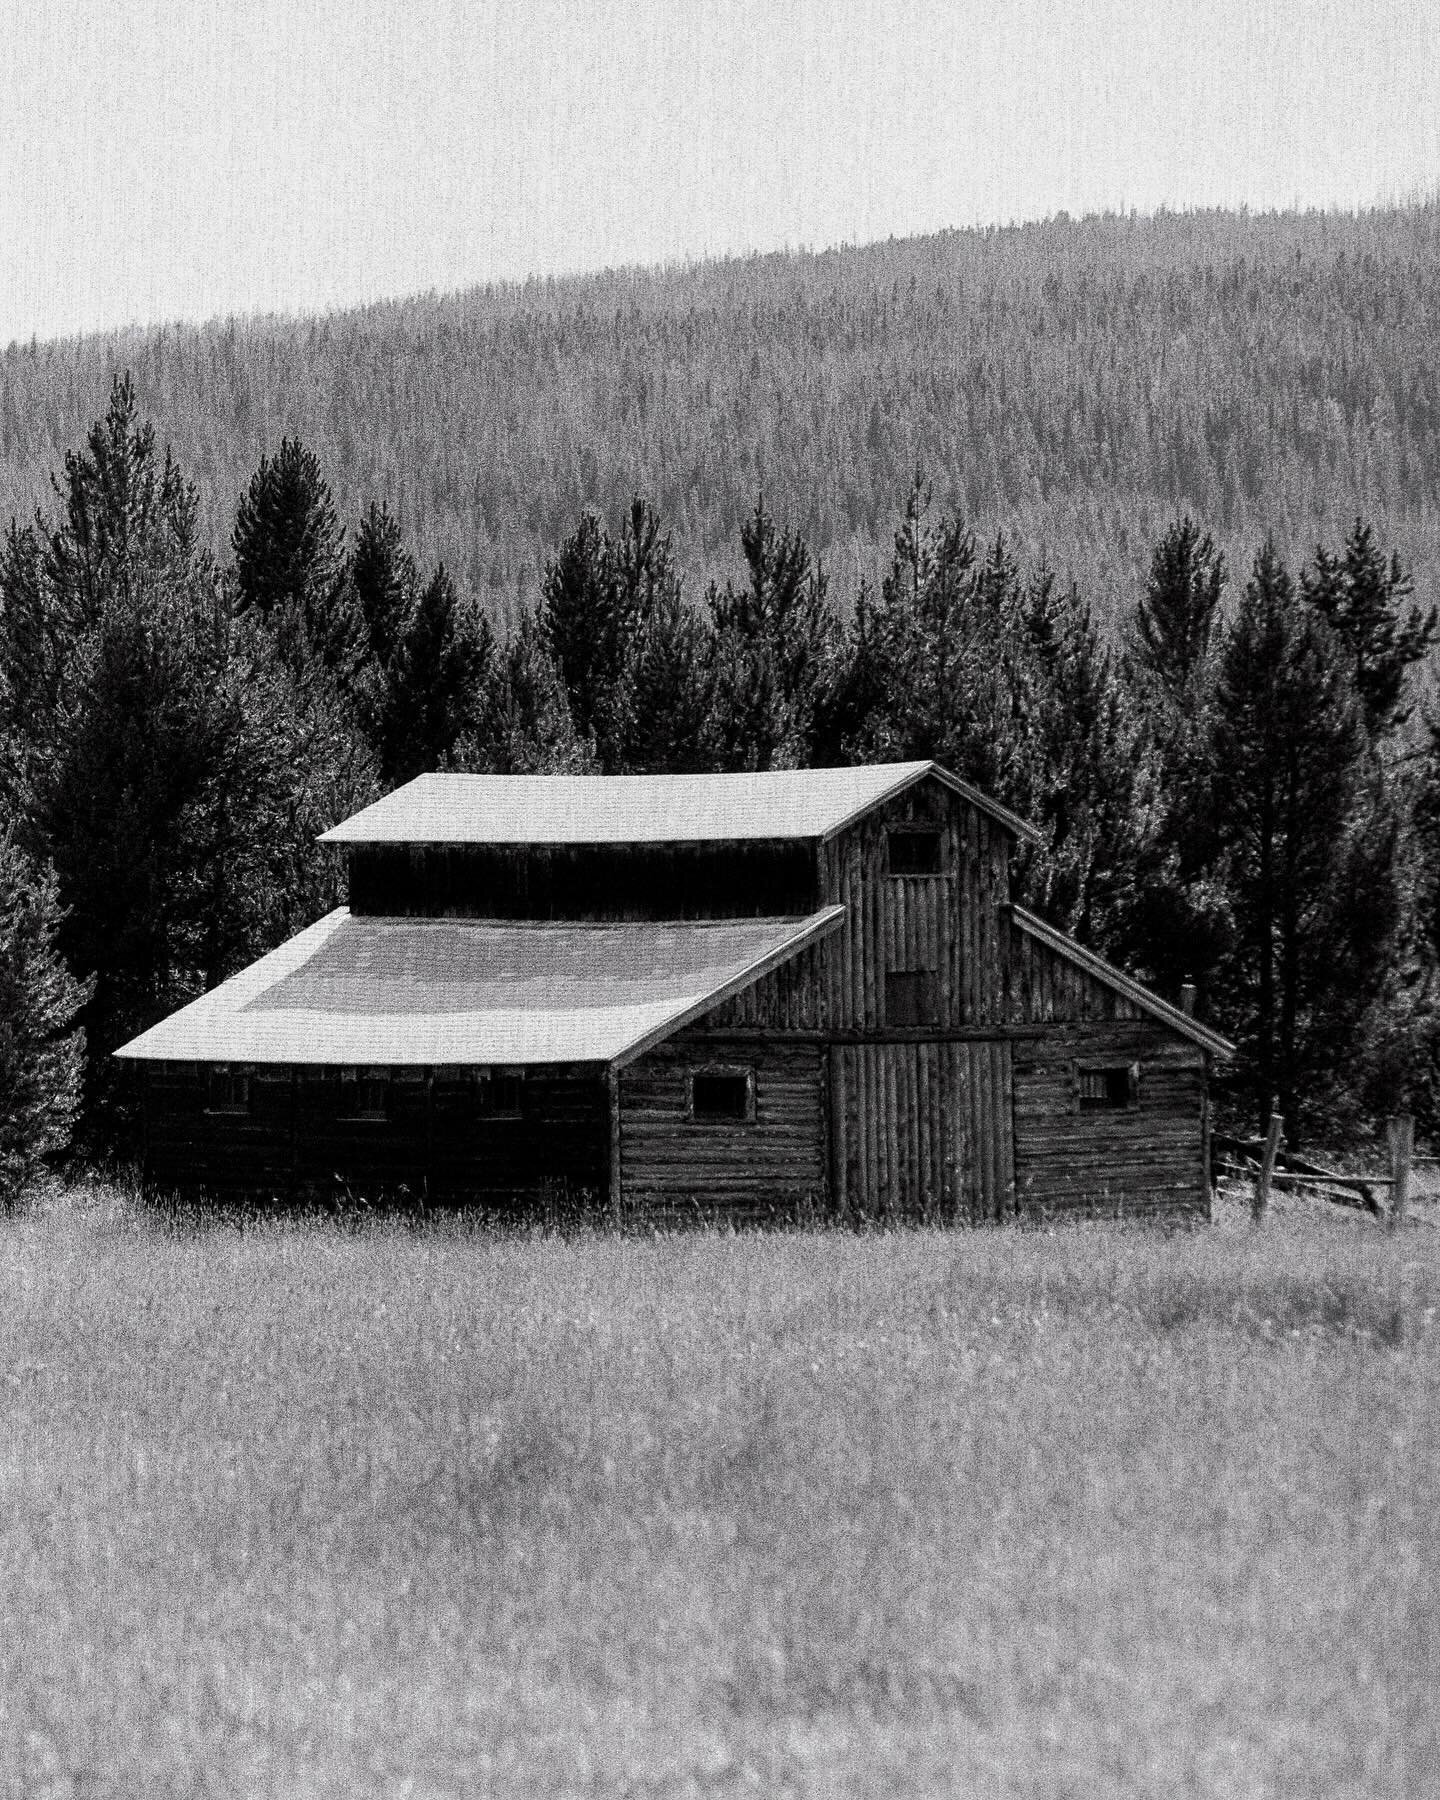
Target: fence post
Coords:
[(1401, 1133), (1267, 1166)]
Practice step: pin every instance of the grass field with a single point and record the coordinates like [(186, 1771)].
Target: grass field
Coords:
[(300, 1510)]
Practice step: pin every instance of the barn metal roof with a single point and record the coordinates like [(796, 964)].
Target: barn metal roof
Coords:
[(382, 991), (642, 809)]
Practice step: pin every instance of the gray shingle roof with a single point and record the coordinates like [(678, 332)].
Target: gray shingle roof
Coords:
[(640, 809), (463, 991)]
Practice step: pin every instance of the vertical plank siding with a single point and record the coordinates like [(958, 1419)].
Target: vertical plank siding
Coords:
[(947, 922), (921, 1131)]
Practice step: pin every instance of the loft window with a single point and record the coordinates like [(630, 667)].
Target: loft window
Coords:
[(722, 1094), (362, 1096), (228, 1091), (1110, 1088), (913, 852), (498, 1096), (912, 997)]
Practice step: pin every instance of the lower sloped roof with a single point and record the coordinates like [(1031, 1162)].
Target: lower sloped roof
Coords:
[(1119, 982), (388, 991)]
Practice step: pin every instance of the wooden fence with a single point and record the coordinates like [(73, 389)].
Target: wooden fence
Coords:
[(1270, 1165)]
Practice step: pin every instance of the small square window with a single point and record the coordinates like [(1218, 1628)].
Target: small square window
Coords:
[(912, 997), (722, 1094), (1108, 1089), (913, 851), (499, 1096), (228, 1091), (363, 1096)]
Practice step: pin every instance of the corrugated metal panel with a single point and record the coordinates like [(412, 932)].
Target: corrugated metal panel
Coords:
[(638, 809), (438, 991)]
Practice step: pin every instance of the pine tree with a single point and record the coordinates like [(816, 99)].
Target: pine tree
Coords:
[(1309, 938), (42, 1052), (617, 626), (773, 647), (1094, 784), (523, 724), (160, 772), (433, 681), (290, 566), (669, 700), (1181, 922), (1360, 596), (384, 579), (580, 615), (939, 668), (1178, 610)]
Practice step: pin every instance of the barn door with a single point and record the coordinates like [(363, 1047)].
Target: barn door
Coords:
[(922, 1130)]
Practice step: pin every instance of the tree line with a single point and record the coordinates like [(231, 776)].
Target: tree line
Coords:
[(1236, 790), (1077, 383)]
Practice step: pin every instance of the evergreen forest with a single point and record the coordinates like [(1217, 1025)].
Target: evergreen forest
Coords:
[(1077, 384), (1129, 522)]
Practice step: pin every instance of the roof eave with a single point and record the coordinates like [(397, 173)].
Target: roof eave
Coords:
[(821, 925), (1121, 982), (1002, 815)]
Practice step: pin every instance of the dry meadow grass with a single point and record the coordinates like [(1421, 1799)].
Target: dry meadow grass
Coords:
[(304, 1511)]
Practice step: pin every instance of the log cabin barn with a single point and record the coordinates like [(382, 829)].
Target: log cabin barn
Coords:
[(685, 996)]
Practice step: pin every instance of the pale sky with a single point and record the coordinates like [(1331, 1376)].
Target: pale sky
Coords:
[(164, 159)]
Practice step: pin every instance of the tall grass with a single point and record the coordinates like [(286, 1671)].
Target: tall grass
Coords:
[(293, 1511)]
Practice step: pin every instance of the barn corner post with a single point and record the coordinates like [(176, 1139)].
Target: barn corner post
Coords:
[(612, 1091), (145, 1128), (1207, 1153)]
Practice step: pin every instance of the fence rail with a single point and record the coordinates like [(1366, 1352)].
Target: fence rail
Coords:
[(1266, 1161)]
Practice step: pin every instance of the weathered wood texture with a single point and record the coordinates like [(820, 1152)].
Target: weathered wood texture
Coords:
[(919, 1124), (922, 1131), (1142, 1158), (966, 1108), (948, 922), (294, 1143), (585, 881), (675, 1166), (1042, 986)]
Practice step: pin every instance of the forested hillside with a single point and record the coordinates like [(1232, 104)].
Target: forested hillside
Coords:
[(1076, 384)]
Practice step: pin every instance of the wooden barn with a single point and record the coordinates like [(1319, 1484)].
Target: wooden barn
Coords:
[(805, 991)]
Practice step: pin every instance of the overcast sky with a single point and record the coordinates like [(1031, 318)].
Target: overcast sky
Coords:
[(168, 159)]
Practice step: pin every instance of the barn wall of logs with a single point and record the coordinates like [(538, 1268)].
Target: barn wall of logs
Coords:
[(770, 1165), (434, 1143), (1143, 1155), (1081, 1154)]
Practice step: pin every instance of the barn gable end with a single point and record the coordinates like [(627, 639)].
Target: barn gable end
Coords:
[(1110, 1095)]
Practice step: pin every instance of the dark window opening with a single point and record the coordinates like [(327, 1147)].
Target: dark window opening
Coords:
[(912, 997), (1109, 1090), (228, 1091), (499, 1096), (914, 852), (363, 1097), (716, 1095)]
